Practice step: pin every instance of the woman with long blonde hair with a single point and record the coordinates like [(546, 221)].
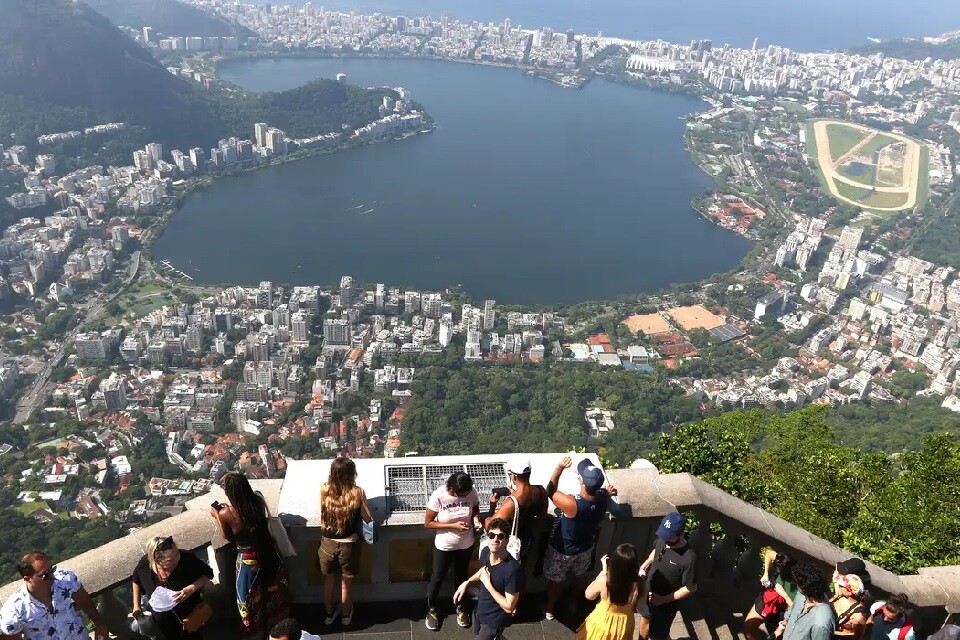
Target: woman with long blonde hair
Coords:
[(342, 504)]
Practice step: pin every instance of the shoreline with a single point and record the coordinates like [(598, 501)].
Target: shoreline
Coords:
[(253, 56)]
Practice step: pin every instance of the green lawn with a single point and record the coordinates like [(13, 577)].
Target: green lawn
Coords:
[(792, 107), (144, 306), (811, 141), (29, 507), (843, 138), (923, 187), (865, 177), (868, 200), (879, 141)]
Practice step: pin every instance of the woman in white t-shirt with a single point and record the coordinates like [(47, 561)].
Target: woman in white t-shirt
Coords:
[(453, 511)]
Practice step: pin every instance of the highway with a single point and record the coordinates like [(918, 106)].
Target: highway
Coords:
[(37, 391)]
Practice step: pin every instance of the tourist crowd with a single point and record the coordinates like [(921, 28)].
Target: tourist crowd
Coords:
[(796, 602)]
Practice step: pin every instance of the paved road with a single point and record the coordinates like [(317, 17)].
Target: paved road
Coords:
[(37, 391)]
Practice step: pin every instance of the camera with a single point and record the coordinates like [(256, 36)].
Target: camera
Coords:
[(216, 505)]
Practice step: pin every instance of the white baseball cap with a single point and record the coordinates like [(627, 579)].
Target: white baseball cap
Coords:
[(518, 466)]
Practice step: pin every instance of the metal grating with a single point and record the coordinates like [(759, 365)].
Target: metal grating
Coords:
[(409, 486)]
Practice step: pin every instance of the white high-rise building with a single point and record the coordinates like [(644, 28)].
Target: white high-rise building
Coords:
[(346, 291), (379, 296), (849, 240), (446, 333), (260, 134), (47, 164), (265, 295), (275, 141), (198, 158), (336, 331), (155, 149), (299, 328), (489, 314)]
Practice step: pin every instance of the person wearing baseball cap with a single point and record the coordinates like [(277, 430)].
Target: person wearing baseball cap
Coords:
[(854, 566), (571, 544), (670, 570), (531, 502)]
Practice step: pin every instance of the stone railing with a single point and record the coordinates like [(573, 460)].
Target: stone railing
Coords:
[(729, 562)]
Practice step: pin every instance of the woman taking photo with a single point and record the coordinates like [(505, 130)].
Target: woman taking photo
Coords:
[(262, 592), (618, 587), (452, 511), (164, 566), (342, 505)]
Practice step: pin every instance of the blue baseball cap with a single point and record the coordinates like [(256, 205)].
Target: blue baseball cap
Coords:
[(591, 475), (671, 526)]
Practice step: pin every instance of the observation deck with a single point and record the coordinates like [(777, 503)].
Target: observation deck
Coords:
[(390, 589)]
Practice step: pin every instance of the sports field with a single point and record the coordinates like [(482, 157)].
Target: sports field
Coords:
[(650, 324), (878, 171), (695, 317)]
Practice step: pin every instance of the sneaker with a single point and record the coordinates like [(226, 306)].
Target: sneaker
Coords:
[(346, 618), (463, 619), (433, 620), (332, 617)]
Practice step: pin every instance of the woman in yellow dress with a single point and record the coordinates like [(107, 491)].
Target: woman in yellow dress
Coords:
[(618, 587)]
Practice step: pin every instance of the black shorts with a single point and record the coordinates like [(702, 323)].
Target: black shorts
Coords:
[(660, 616)]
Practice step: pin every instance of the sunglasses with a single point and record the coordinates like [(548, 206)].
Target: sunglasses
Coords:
[(48, 574), (496, 536), (167, 544)]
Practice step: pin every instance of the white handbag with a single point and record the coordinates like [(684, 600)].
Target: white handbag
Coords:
[(514, 545)]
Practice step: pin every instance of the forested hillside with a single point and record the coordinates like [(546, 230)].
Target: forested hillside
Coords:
[(900, 511), (64, 66), (168, 17), (539, 408)]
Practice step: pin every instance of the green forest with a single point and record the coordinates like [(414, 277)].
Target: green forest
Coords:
[(900, 511), (92, 73), (475, 409)]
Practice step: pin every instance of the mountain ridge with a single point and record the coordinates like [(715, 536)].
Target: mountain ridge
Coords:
[(169, 17), (65, 66)]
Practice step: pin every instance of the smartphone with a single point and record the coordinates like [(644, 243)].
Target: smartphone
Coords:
[(216, 505)]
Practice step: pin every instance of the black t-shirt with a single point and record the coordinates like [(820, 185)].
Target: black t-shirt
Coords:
[(671, 568), (505, 578), (188, 571)]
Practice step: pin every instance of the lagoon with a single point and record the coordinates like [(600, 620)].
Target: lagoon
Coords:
[(526, 192)]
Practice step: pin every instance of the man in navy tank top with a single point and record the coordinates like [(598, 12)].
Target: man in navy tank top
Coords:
[(571, 544)]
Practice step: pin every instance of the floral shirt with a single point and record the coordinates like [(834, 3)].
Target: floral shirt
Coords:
[(22, 613)]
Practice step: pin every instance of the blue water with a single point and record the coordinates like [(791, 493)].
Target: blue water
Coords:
[(526, 193), (807, 25)]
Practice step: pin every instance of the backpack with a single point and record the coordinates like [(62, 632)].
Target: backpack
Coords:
[(905, 629)]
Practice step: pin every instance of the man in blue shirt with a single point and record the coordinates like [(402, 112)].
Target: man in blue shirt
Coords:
[(890, 621), (499, 578), (571, 545), (811, 616)]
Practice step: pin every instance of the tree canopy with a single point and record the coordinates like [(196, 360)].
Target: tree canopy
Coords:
[(525, 408), (900, 511)]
